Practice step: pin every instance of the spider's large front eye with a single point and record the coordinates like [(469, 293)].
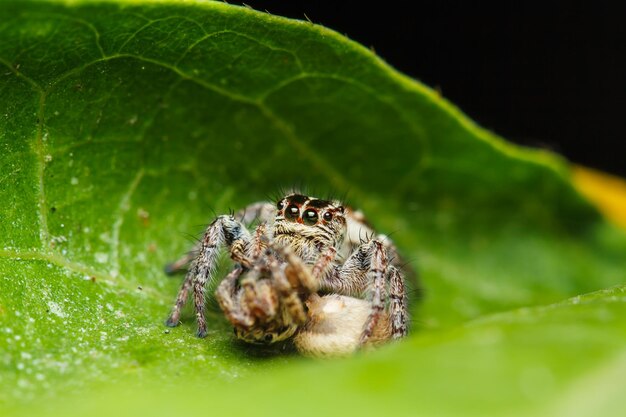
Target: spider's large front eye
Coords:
[(310, 217), (292, 212)]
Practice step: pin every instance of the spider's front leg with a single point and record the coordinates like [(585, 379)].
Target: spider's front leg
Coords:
[(398, 309), (359, 229), (262, 211), (224, 231)]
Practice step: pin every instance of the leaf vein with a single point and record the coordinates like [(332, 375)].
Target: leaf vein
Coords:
[(122, 209), (40, 152), (78, 268), (154, 21), (21, 75)]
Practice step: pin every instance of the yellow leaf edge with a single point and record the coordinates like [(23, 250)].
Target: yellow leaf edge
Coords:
[(607, 192)]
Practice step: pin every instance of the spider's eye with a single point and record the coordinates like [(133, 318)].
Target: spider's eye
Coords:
[(292, 212), (310, 216), (280, 205), (268, 338), (328, 216)]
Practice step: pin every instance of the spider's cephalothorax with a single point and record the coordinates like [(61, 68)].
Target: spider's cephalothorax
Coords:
[(309, 226), (312, 269)]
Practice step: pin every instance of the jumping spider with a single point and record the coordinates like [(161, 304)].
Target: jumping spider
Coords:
[(306, 272)]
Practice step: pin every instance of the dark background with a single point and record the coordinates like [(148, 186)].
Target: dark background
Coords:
[(549, 75)]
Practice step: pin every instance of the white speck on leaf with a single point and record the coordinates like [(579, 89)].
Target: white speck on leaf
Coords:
[(56, 309)]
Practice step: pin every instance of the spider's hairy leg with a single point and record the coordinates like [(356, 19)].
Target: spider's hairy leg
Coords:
[(181, 298), (398, 311), (182, 262), (225, 230), (359, 231), (262, 211), (350, 278), (377, 271), (227, 297)]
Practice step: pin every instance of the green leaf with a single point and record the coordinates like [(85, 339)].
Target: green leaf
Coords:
[(125, 127)]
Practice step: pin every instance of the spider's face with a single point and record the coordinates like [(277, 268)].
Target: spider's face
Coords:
[(300, 218)]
